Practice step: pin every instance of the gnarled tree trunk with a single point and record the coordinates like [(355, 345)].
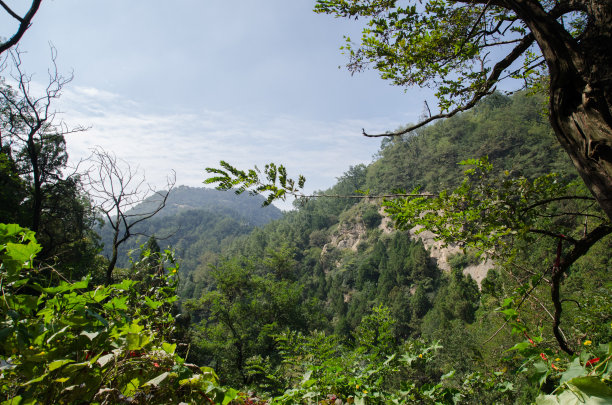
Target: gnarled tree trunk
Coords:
[(580, 89)]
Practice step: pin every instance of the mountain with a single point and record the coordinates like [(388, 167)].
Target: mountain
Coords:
[(195, 222), (347, 260), (184, 198)]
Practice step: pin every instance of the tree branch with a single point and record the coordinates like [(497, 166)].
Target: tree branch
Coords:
[(488, 88), (11, 12), (559, 271), (24, 23)]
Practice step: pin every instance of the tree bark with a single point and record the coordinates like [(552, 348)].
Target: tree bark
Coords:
[(580, 89)]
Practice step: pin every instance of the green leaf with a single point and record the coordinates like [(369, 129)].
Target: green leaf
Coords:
[(574, 370), (20, 252), (59, 363), (37, 379), (208, 374), (13, 401), (592, 386), (152, 304), (64, 287), (104, 360), (541, 372), (169, 348), (90, 335), (136, 341), (520, 346), (131, 387), (229, 395)]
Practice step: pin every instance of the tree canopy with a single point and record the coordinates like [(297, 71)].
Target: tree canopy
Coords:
[(466, 48)]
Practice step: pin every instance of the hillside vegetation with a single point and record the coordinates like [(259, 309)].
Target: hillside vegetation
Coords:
[(345, 268), (196, 223), (336, 301)]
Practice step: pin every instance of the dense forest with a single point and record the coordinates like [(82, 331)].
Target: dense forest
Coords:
[(334, 302), (468, 263)]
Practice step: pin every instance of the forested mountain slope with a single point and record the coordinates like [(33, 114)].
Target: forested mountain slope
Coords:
[(512, 131), (330, 263), (195, 222), (332, 303)]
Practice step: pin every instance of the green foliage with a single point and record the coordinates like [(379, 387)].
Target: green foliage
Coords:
[(35, 192), (318, 368), (581, 378), (229, 178), (238, 319), (416, 44), (371, 218), (71, 342), (487, 212), (198, 223), (447, 45), (511, 131)]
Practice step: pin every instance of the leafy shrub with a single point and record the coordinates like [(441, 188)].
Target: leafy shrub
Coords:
[(72, 343), (371, 217)]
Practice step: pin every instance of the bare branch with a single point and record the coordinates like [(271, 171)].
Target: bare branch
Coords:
[(24, 23), (117, 189)]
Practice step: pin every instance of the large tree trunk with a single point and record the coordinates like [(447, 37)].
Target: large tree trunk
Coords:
[(581, 108), (584, 127), (580, 89)]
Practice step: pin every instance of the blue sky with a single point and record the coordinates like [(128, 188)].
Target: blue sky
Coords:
[(179, 85)]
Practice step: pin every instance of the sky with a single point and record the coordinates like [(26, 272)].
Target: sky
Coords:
[(180, 85)]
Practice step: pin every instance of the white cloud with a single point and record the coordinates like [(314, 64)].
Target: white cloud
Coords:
[(191, 141)]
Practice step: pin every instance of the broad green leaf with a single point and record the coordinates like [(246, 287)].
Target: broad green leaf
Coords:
[(125, 284), (229, 395), (64, 287), (520, 346), (37, 379), (90, 335), (152, 304), (208, 374), (20, 252), (136, 341), (59, 363), (74, 367), (593, 387), (131, 387), (117, 303), (169, 348), (569, 397), (18, 400), (360, 401), (574, 370), (542, 372)]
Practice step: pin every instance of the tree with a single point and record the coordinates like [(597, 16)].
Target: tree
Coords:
[(39, 194), (493, 214), (117, 190), (467, 48), (34, 137), (244, 312), (23, 23)]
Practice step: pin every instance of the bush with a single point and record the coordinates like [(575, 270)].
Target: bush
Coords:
[(371, 217), (72, 343)]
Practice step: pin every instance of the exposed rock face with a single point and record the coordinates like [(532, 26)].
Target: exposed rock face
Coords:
[(439, 252), (442, 253), (349, 235)]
